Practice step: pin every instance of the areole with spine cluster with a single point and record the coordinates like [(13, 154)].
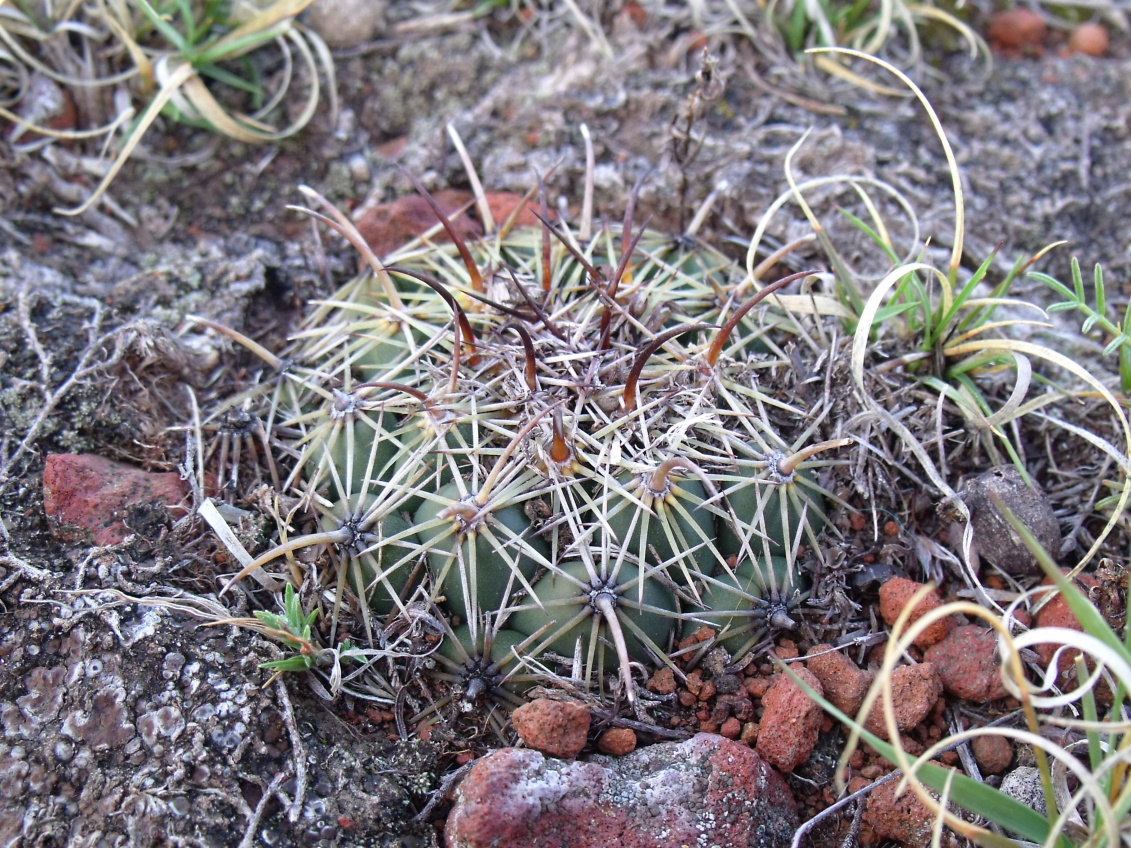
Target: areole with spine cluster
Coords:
[(558, 438)]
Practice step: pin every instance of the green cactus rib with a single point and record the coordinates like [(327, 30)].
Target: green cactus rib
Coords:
[(579, 442)]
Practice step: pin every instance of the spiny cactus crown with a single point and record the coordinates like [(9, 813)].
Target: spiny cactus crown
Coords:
[(561, 440)]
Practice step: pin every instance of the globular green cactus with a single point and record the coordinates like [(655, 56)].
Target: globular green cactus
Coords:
[(551, 433)]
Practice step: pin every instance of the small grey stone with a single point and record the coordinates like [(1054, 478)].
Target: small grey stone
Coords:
[(346, 23), (994, 536), (1024, 784)]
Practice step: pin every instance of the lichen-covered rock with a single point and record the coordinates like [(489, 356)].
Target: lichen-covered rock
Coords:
[(557, 728), (967, 663), (791, 722), (1024, 784), (133, 726), (705, 791)]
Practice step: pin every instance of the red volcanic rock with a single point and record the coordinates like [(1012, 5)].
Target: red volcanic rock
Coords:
[(1089, 38), (993, 753), (89, 495), (1017, 31), (389, 226), (914, 691), (967, 664), (791, 722), (503, 204), (845, 684), (617, 741), (896, 594), (1057, 613), (903, 819), (707, 790), (557, 728)]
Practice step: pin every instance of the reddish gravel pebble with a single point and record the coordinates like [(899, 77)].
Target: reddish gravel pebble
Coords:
[(557, 728), (1089, 38), (662, 682), (845, 684), (791, 722), (994, 754), (617, 741), (896, 594), (1057, 613), (1017, 31), (85, 494), (967, 664), (389, 226), (914, 689), (903, 819)]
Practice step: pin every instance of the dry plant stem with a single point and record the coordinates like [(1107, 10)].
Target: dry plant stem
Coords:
[(256, 817), (298, 751)]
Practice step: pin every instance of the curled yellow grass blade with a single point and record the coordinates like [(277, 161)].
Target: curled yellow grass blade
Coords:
[(176, 79), (952, 163), (243, 127)]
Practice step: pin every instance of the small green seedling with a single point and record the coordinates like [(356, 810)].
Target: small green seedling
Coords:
[(293, 630)]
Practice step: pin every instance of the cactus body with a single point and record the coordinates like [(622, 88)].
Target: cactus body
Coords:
[(670, 529), (557, 419), (568, 594), (476, 566), (772, 514)]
